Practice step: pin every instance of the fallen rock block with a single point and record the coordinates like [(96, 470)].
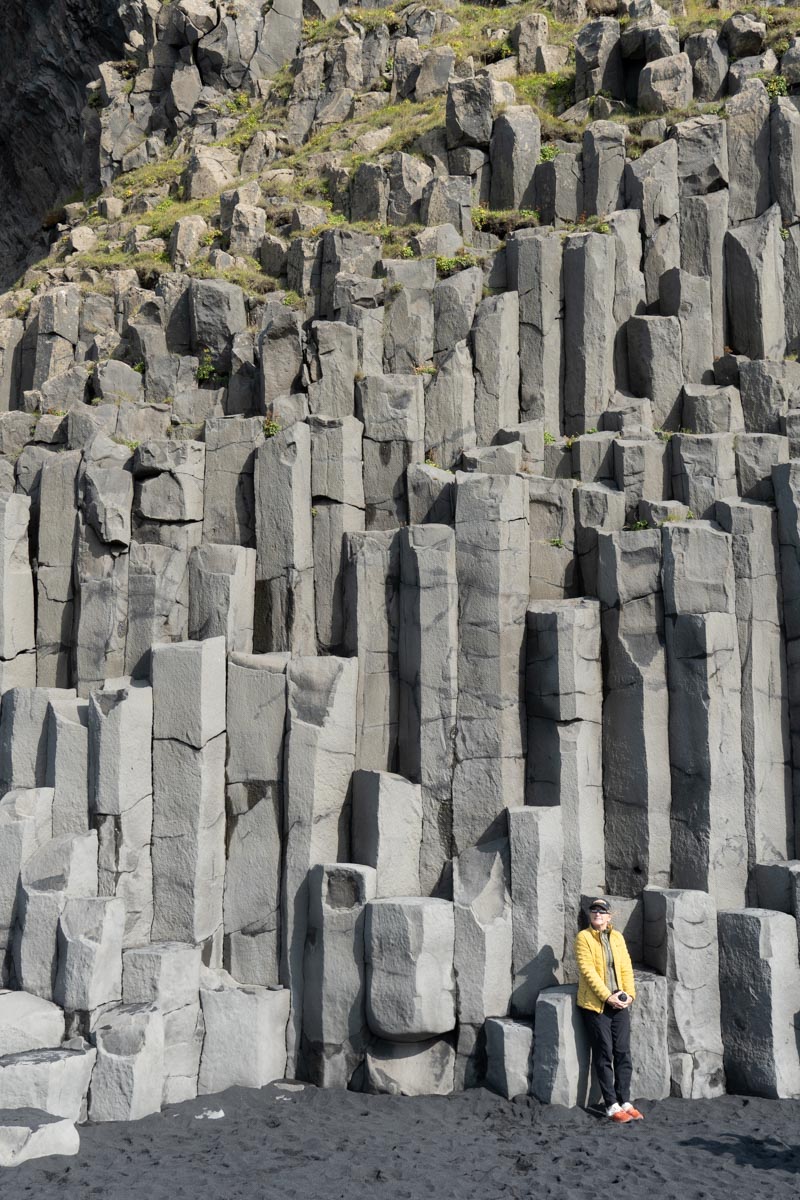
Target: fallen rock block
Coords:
[(28, 1023), (55, 1081), (128, 1079), (245, 1042), (410, 979), (28, 1133), (509, 1056), (411, 1068)]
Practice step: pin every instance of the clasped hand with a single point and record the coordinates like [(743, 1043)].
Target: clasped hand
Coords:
[(615, 1001)]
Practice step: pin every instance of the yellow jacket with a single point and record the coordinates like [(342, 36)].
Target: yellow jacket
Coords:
[(592, 990)]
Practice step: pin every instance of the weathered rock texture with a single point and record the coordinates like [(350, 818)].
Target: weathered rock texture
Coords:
[(399, 546)]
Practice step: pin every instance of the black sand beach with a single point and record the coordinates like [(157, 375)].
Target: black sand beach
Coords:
[(330, 1145)]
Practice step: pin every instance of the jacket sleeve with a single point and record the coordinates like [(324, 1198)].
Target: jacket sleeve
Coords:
[(626, 980), (583, 954)]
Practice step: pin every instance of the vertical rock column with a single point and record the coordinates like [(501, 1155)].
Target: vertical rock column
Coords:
[(222, 581), (371, 633), (337, 494), (786, 480), (189, 793), (318, 763), (564, 696), (58, 516), (158, 601), (104, 534), (589, 329), (428, 668), (285, 565), (534, 264), (492, 566), (392, 408), (229, 507), (709, 842), (334, 997), (636, 777), (482, 948), (759, 984), (680, 942), (536, 843), (17, 635), (254, 799), (25, 825), (121, 798), (769, 809)]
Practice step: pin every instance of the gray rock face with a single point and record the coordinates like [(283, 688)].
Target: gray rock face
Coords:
[(285, 557), (53, 1081), (27, 1134), (166, 976), (534, 264), (561, 1057), (603, 167), (636, 780), (709, 843), (514, 153), (666, 84), (411, 1068), (748, 121), (334, 1013), (563, 692), (598, 60), (188, 790), (495, 352), (489, 566), (254, 801), (758, 1025), (482, 954), (428, 666), (709, 64), (589, 330), (492, 556), (765, 711), (753, 255), (420, 1002), (680, 942), (245, 1033), (318, 761), (387, 831), (536, 840), (509, 1054), (128, 1078)]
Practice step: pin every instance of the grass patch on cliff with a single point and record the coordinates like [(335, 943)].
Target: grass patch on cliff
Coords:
[(167, 212), (147, 178)]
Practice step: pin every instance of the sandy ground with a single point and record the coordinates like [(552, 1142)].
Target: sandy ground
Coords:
[(331, 1145)]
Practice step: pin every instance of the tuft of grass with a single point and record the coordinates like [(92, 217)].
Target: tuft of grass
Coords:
[(147, 178), (500, 222), (446, 265)]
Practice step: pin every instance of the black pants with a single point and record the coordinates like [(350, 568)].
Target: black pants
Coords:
[(610, 1038)]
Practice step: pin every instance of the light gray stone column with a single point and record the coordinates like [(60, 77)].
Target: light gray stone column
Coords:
[(256, 717), (564, 698), (636, 775), (492, 564), (428, 670), (318, 763)]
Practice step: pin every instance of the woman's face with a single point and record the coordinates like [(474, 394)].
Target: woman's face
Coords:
[(599, 920)]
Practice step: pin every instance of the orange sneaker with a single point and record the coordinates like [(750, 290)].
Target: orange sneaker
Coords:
[(633, 1113), (621, 1117)]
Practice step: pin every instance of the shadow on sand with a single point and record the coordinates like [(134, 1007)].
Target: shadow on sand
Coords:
[(766, 1154)]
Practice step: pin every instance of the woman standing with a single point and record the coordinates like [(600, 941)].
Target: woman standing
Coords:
[(605, 993)]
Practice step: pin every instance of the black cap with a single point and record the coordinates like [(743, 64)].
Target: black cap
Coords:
[(600, 905)]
